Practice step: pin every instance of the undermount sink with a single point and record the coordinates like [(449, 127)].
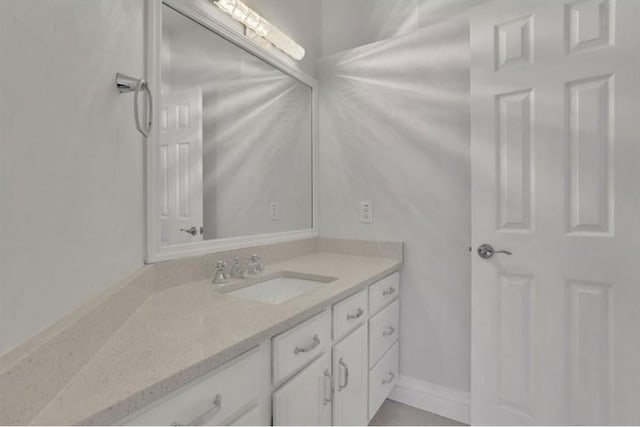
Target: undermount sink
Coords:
[(283, 287)]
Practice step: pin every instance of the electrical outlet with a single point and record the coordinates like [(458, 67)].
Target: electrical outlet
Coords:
[(366, 212), (275, 211)]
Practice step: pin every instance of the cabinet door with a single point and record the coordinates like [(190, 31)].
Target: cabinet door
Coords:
[(351, 377), (306, 399)]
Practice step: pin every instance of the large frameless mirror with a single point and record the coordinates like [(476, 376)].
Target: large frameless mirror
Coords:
[(233, 147)]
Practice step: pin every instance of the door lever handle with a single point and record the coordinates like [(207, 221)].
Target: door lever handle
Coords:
[(486, 251), (193, 230)]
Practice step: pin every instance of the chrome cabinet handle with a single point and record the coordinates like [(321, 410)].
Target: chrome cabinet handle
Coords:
[(392, 375), (217, 406), (314, 344), (486, 251), (206, 416), (357, 315), (328, 376), (389, 291), (346, 375), (390, 330), (193, 230)]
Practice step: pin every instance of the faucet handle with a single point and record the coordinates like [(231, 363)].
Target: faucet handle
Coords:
[(219, 276), (237, 271), (253, 266)]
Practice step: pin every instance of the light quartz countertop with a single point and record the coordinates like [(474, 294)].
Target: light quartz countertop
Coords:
[(185, 331)]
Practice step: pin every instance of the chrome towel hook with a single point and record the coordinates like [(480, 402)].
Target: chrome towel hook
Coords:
[(126, 84)]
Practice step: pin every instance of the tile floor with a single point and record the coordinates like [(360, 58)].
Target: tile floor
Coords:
[(397, 414)]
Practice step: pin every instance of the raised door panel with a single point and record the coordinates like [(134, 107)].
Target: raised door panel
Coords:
[(351, 379), (514, 173), (515, 344), (589, 357), (589, 174), (306, 399)]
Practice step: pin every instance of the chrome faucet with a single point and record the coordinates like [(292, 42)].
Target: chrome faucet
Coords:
[(256, 266), (237, 270), (219, 277)]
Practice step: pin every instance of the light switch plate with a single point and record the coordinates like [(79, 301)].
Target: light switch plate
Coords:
[(366, 212), (275, 211)]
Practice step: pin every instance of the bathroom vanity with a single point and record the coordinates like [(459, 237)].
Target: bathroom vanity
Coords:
[(333, 369), (166, 346)]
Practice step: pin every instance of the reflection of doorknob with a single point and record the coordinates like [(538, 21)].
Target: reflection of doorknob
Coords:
[(486, 251), (193, 230)]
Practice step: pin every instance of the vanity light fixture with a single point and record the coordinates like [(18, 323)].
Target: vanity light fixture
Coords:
[(257, 25)]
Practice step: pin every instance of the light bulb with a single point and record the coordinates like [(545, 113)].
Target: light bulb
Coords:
[(226, 5), (240, 12), (255, 23), (263, 28), (253, 20)]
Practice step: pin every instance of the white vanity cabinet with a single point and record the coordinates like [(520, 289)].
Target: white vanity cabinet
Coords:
[(349, 381), (335, 368)]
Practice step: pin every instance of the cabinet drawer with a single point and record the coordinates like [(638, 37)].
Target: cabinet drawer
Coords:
[(383, 291), (209, 400), (383, 331), (350, 313), (382, 378), (299, 345)]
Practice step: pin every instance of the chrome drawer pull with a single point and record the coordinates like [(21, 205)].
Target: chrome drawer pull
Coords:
[(358, 314), (389, 291), (390, 330), (330, 398), (207, 415), (314, 344), (392, 375), (346, 375)]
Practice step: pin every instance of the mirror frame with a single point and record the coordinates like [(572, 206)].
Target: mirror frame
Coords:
[(208, 15)]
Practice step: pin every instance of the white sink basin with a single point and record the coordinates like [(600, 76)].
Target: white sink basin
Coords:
[(279, 289)]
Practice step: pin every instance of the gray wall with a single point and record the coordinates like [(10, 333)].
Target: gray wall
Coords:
[(71, 212), (394, 125), (347, 24)]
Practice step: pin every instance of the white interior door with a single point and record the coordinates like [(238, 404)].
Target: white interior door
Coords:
[(556, 180), (181, 180)]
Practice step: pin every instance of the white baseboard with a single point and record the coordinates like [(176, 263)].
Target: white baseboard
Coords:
[(444, 401)]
